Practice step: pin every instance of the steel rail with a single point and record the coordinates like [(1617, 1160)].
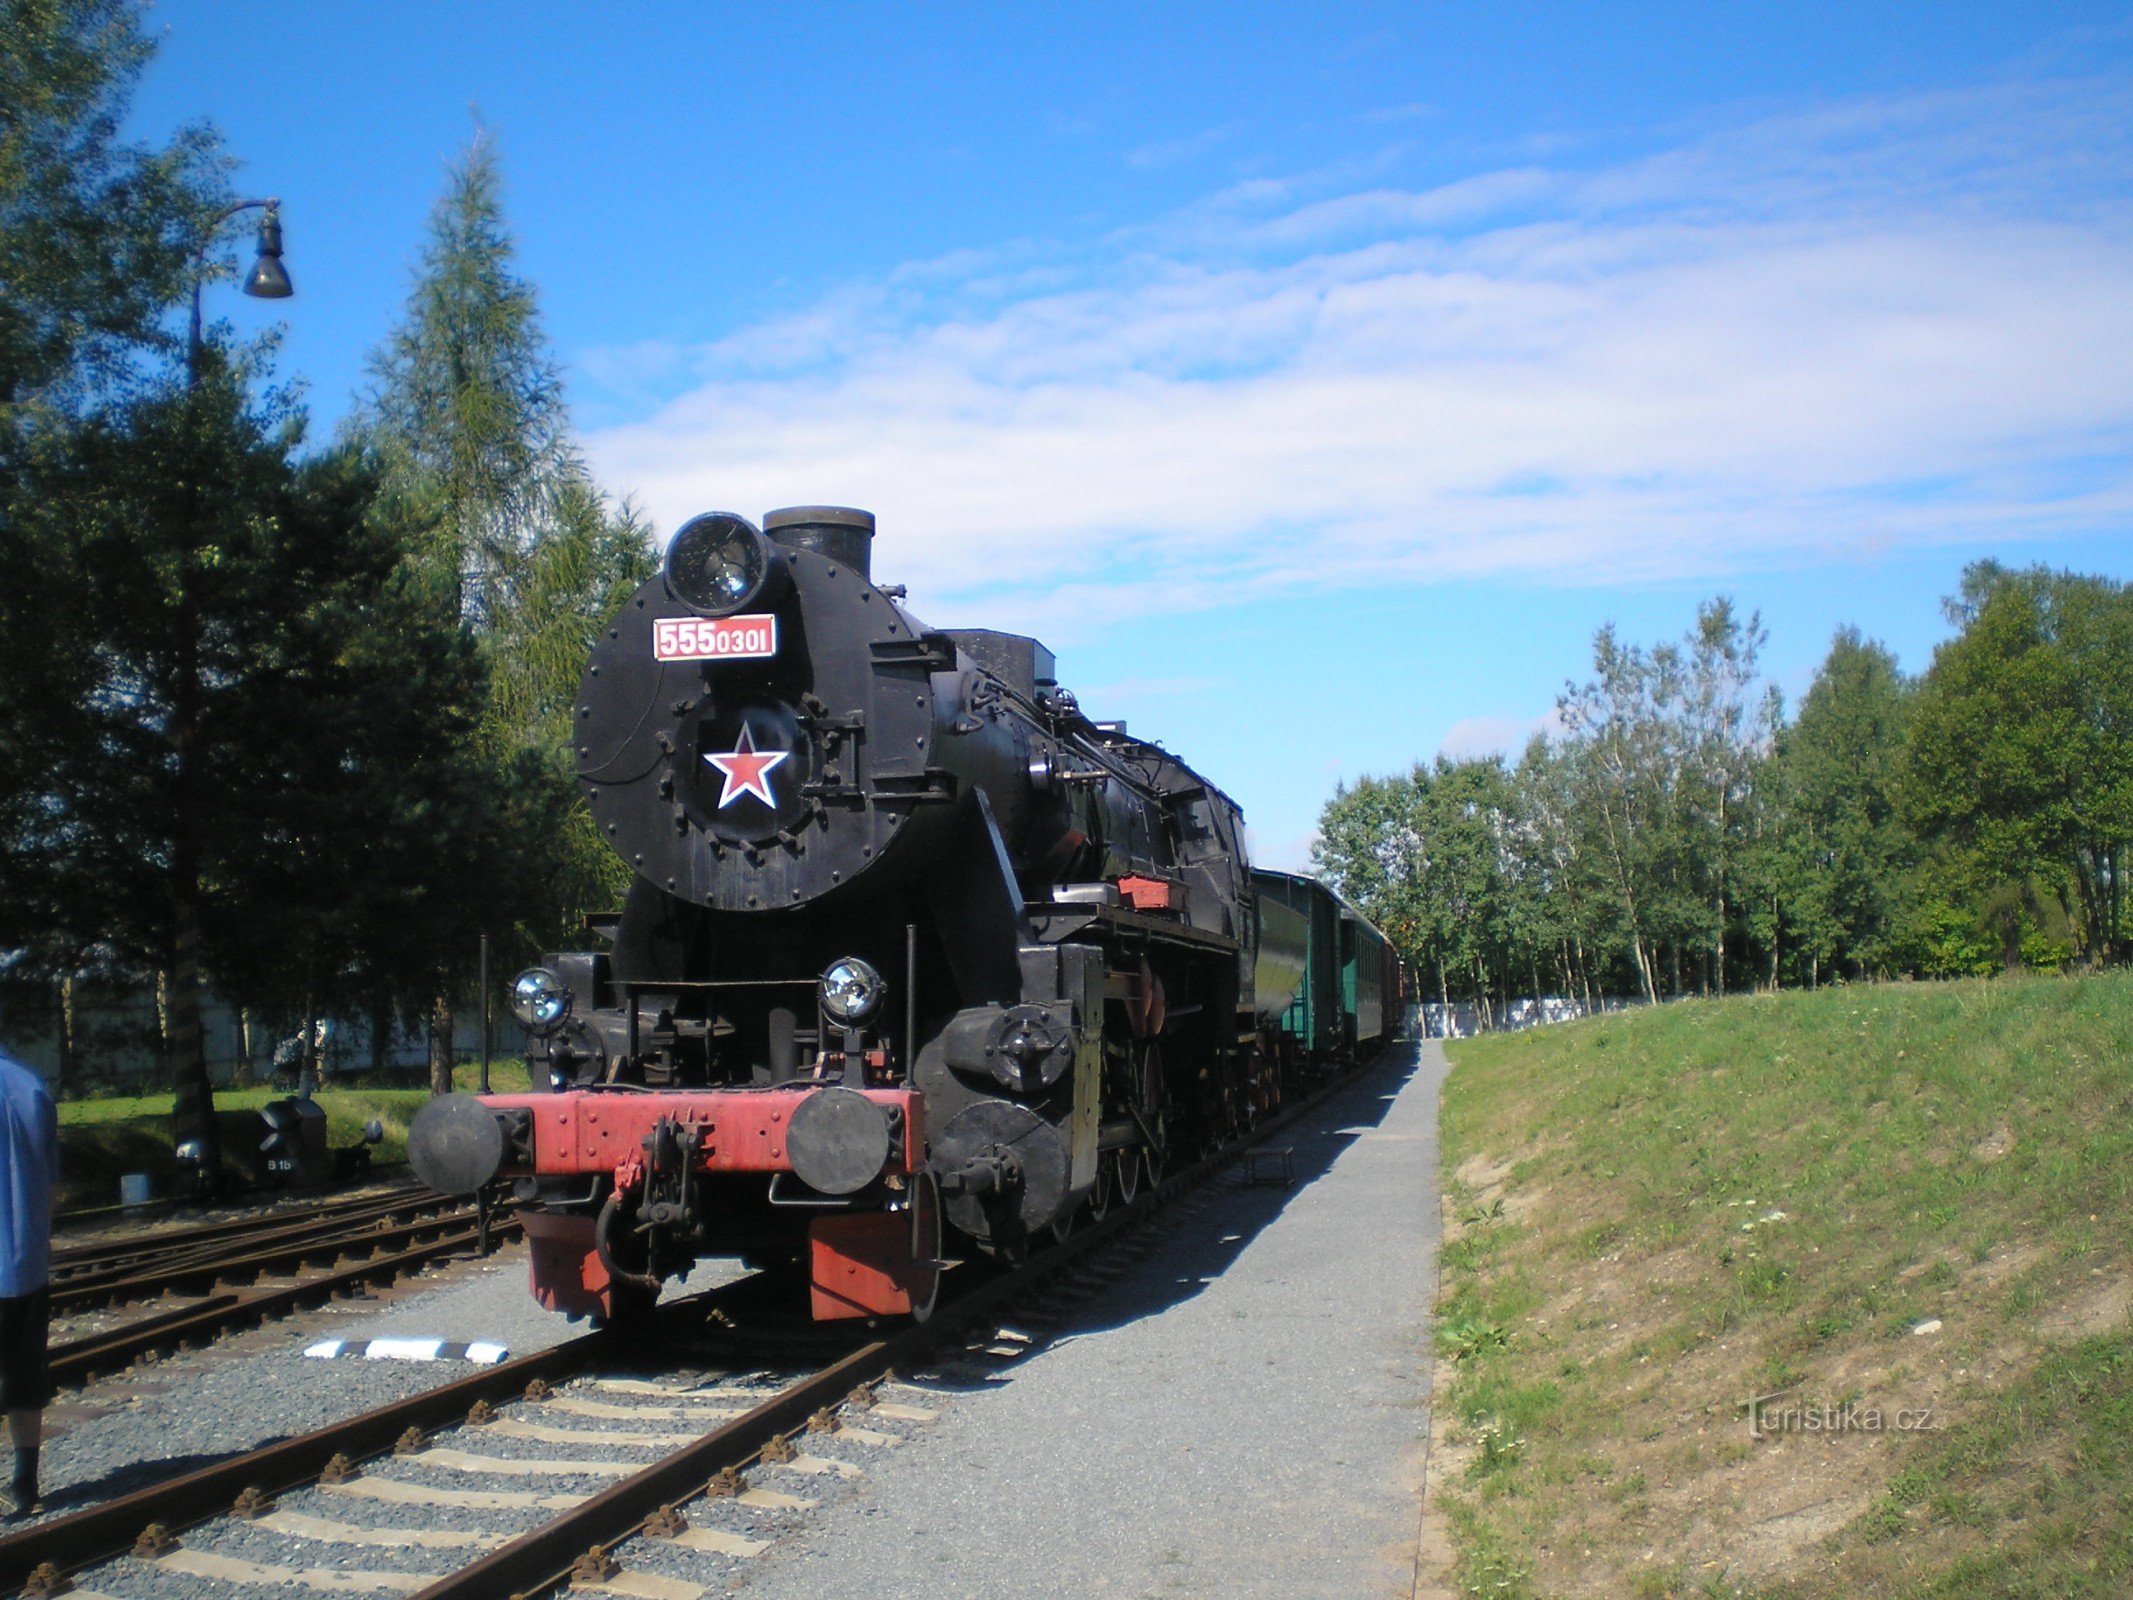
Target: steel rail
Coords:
[(104, 1254), (82, 1359), (104, 1532), (199, 1274)]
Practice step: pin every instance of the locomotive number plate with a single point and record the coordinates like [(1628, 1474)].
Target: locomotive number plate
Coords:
[(715, 638)]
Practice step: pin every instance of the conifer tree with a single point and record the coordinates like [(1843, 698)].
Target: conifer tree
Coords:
[(469, 427)]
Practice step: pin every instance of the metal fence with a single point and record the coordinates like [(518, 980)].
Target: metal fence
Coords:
[(118, 1034), (1462, 1018)]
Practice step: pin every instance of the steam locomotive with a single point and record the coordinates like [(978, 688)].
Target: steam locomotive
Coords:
[(917, 958)]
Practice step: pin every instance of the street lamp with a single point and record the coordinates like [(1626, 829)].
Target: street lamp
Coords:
[(268, 279), (193, 1101)]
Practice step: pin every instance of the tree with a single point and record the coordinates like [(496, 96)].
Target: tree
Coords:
[(2019, 764), (1426, 856), (95, 239), (468, 425), (340, 740), (1850, 857), (95, 232), (1625, 770), (467, 412), (1562, 870), (342, 806), (1727, 726)]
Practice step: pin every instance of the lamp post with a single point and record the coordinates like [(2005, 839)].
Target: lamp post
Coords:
[(193, 1107)]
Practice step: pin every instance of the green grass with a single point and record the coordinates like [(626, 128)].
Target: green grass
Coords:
[(99, 1139), (1665, 1211)]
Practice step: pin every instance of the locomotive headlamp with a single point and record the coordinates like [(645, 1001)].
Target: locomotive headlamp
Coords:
[(851, 992), (539, 999), (720, 563)]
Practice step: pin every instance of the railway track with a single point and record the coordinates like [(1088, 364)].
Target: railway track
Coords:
[(495, 1447), (326, 1250), (143, 1247)]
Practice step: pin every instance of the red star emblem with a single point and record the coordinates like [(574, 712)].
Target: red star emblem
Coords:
[(747, 770)]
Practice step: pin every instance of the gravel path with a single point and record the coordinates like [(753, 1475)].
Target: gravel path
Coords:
[(1241, 1412)]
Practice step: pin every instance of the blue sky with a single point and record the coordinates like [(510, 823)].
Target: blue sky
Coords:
[(1314, 379)]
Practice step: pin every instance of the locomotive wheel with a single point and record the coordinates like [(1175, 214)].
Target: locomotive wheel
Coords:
[(1126, 1170), (1154, 1157), (927, 1242), (1099, 1201)]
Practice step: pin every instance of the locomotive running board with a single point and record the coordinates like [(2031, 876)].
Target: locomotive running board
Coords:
[(1054, 923)]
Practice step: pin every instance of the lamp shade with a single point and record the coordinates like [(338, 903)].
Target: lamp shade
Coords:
[(269, 279)]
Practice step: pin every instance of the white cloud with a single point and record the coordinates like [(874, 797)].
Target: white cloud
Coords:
[(1872, 324), (1169, 152), (1495, 735)]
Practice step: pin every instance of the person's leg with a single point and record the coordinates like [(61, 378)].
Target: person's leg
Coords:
[(24, 1388), (25, 1432)]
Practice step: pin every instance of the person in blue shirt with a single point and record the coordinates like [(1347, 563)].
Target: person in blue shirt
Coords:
[(29, 1163)]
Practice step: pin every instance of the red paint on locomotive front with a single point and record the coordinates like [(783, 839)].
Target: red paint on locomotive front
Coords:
[(585, 1131), (859, 1265), (862, 1262), (568, 1274)]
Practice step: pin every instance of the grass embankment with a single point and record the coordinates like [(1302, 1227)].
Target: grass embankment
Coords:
[(1651, 1217), (101, 1138)]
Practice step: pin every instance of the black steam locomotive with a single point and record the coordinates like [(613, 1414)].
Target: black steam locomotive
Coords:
[(916, 957)]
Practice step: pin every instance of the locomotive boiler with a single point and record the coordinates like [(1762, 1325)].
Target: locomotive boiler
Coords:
[(916, 958)]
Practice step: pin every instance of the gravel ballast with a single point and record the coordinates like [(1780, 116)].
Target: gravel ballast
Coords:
[(1232, 1399), (157, 1421)]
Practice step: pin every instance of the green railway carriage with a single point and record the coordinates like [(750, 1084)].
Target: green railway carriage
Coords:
[(1348, 1000)]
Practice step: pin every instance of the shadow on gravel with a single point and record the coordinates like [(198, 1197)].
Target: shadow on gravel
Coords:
[(132, 1476), (1193, 1240)]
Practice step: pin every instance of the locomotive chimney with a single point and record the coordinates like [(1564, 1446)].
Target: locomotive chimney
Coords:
[(838, 532)]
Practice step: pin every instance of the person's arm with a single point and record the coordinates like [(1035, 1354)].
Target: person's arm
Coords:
[(51, 1149)]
